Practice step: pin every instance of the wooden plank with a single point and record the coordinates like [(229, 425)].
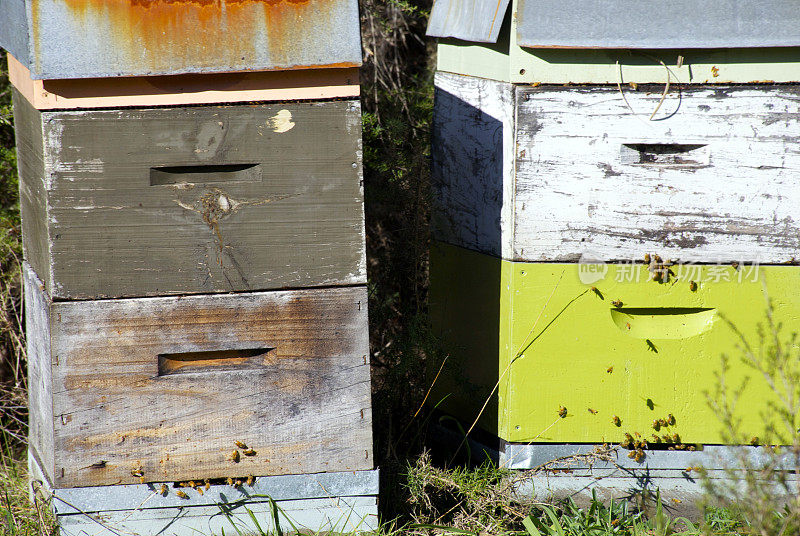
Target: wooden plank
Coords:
[(303, 406), (472, 167), (41, 435), (32, 185), (336, 515), (121, 92), (588, 180), (511, 63), (255, 197)]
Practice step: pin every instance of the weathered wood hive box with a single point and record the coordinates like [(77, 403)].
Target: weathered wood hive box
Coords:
[(549, 196), (194, 275)]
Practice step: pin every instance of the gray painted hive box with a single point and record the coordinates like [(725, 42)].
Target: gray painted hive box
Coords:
[(166, 389), (158, 201), (59, 39)]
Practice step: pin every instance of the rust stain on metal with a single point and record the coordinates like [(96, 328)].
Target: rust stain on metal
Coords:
[(178, 32)]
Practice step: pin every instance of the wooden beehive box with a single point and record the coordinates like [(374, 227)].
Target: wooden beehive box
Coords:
[(171, 200), (544, 190), (594, 42), (165, 387)]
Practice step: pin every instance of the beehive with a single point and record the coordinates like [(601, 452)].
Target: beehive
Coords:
[(549, 195), (195, 278)]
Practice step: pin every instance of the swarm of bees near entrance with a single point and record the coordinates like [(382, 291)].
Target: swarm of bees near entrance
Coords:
[(671, 441), (201, 486), (247, 451), (659, 269)]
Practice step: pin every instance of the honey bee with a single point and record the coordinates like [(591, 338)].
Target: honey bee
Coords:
[(628, 325), (164, 489), (627, 441), (617, 421), (676, 501), (617, 303), (137, 472), (692, 286), (238, 483), (663, 423), (651, 346), (676, 438), (666, 438), (208, 484), (656, 439), (714, 71), (181, 494), (671, 419), (250, 452), (229, 481), (610, 369), (647, 258), (640, 456), (199, 490), (592, 411), (632, 454), (754, 441), (735, 265), (656, 275), (192, 484), (141, 480), (562, 411), (597, 292), (656, 425), (658, 259), (234, 456), (634, 85), (240, 444), (691, 448), (251, 480)]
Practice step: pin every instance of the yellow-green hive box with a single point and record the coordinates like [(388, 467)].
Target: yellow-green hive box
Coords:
[(592, 42), (533, 338)]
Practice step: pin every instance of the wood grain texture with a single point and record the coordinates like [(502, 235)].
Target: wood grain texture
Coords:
[(304, 408), (575, 195), (32, 185), (472, 165), (710, 179), (114, 233), (41, 438), (119, 92)]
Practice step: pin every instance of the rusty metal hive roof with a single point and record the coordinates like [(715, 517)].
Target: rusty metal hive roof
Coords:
[(102, 38)]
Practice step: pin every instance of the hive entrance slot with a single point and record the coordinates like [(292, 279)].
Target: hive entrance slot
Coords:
[(665, 154), (215, 360), (226, 173), (663, 322)]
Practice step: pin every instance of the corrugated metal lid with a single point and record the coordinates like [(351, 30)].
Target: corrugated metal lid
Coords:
[(470, 20), (658, 24)]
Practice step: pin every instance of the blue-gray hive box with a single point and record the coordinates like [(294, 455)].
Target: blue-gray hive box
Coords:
[(623, 24), (59, 39)]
